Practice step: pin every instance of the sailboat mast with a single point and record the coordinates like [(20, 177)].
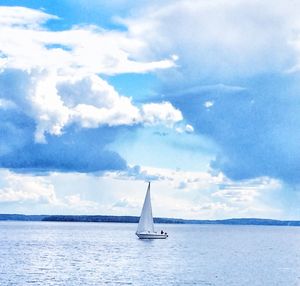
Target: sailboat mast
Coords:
[(148, 189)]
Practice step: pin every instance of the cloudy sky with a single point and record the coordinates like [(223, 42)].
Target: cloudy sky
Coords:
[(200, 97)]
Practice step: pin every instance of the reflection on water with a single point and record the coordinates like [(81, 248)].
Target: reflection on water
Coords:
[(48, 253)]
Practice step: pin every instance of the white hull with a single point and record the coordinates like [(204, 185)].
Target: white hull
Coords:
[(152, 235)]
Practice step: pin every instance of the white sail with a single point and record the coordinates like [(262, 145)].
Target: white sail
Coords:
[(146, 220)]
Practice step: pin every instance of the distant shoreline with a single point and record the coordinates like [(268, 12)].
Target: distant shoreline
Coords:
[(134, 219)]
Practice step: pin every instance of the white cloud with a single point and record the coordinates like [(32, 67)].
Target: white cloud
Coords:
[(237, 195), (156, 113), (189, 128), (175, 193), (48, 109), (213, 207), (26, 189), (201, 195), (27, 45), (62, 70), (138, 173), (37, 192), (246, 192), (208, 104), (126, 203), (55, 102), (21, 16), (78, 204), (220, 39), (91, 102)]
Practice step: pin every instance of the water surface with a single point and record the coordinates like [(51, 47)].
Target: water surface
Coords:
[(59, 253)]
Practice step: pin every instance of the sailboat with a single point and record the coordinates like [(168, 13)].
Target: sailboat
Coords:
[(145, 229)]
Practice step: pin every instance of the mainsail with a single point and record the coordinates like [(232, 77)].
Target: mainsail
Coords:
[(146, 219)]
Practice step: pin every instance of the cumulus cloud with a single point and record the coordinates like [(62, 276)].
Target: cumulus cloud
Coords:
[(57, 102), (187, 128), (125, 203), (138, 173), (51, 91), (26, 189), (155, 113), (27, 193), (103, 105), (77, 203), (204, 195), (61, 71)]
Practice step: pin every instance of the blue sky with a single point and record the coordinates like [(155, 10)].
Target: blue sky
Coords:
[(202, 98)]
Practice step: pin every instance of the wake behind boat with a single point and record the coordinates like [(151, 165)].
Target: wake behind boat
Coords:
[(145, 228)]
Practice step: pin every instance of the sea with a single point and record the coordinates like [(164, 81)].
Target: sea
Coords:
[(72, 253)]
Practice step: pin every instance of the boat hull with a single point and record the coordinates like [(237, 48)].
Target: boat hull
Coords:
[(152, 235)]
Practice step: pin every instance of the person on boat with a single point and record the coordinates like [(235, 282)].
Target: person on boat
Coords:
[(161, 232)]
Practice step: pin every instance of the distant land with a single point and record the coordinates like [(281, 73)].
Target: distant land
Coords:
[(134, 219)]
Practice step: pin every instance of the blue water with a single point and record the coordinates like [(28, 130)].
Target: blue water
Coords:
[(46, 253)]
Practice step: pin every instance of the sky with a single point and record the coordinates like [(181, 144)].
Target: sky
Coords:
[(202, 98)]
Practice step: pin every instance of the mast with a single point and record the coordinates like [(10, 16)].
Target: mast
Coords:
[(146, 218)]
